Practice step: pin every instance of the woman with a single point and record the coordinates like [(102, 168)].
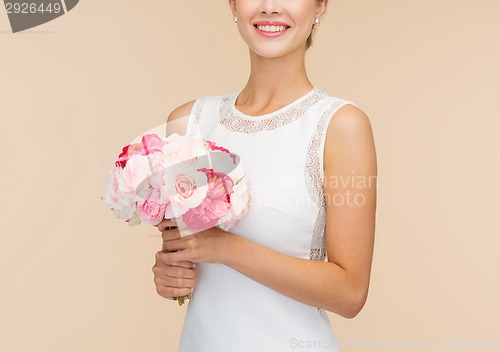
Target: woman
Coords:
[(311, 164)]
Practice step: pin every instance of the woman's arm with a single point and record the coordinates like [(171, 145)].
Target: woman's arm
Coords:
[(341, 284)]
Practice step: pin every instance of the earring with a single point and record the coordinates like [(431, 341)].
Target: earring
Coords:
[(235, 19), (316, 20)]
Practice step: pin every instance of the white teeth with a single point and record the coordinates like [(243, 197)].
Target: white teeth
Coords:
[(271, 28)]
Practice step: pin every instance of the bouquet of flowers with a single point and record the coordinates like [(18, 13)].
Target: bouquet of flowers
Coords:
[(192, 181)]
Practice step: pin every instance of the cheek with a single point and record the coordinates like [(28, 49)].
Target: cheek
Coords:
[(301, 15), (246, 9), (245, 16)]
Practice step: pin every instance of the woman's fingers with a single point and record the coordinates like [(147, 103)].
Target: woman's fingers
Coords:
[(165, 224), (179, 272), (173, 280), (172, 246), (169, 258), (169, 231), (172, 292), (177, 282), (168, 235), (186, 270)]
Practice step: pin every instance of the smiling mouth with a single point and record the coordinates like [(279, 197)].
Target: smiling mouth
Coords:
[(271, 29)]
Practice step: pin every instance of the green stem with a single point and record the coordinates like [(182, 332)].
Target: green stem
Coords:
[(182, 299)]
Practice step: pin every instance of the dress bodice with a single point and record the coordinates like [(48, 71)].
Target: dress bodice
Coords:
[(282, 157)]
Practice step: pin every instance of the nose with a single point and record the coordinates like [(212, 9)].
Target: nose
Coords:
[(270, 7)]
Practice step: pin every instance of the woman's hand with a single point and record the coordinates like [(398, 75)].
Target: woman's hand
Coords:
[(207, 246), (172, 279)]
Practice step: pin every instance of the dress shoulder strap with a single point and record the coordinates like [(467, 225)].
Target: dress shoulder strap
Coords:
[(204, 113), (315, 174), (319, 136), (193, 125)]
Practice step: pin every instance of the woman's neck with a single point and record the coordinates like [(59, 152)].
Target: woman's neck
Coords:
[(275, 81)]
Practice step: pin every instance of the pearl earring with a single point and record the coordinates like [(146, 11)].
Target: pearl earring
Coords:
[(235, 19), (316, 20)]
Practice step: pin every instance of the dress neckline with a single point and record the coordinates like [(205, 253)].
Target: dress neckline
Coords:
[(270, 115)]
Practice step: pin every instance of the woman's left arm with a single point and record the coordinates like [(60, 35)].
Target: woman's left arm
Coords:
[(339, 285)]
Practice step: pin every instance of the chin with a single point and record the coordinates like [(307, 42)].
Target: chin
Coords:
[(275, 52), (270, 54), (270, 49)]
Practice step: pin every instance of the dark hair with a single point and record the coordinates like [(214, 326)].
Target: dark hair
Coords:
[(309, 41)]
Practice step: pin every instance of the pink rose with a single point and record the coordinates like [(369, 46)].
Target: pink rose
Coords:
[(186, 188), (215, 205)]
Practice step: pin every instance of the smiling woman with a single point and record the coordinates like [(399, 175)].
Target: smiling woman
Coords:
[(275, 28), (266, 284), (300, 22)]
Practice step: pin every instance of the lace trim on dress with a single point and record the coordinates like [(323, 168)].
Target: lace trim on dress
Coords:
[(193, 125), (314, 176), (199, 108), (283, 117)]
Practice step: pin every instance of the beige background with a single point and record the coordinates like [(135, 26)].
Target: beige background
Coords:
[(75, 90)]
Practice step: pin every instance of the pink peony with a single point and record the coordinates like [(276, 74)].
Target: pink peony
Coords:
[(150, 143), (112, 193), (183, 148), (240, 200), (122, 205), (135, 173), (127, 152), (220, 184), (153, 143), (151, 211), (152, 199)]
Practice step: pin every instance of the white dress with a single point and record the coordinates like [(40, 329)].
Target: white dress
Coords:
[(282, 156)]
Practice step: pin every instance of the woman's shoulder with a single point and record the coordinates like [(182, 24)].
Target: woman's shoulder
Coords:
[(343, 108), (181, 111), (177, 120), (344, 115)]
